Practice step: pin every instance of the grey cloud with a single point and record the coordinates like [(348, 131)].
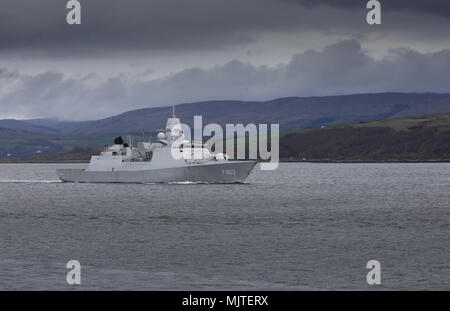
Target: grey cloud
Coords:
[(338, 69), (434, 7)]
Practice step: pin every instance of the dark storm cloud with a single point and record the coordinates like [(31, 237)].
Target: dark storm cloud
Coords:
[(435, 7), (127, 25), (338, 69), (134, 24)]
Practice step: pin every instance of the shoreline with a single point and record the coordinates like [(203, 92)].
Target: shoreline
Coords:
[(42, 162), (281, 161), (368, 161)]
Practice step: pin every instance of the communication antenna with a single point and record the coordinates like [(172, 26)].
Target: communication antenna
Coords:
[(173, 110)]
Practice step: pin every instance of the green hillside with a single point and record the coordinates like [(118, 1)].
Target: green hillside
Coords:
[(440, 121), (409, 139)]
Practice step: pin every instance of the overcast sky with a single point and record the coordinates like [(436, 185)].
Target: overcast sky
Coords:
[(130, 54)]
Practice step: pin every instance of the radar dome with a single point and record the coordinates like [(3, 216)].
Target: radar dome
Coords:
[(161, 135)]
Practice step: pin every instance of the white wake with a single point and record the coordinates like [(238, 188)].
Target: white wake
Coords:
[(13, 181)]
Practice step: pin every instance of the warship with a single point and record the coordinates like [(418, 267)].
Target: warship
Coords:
[(172, 158)]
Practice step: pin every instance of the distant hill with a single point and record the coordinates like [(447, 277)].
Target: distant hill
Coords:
[(414, 139), (56, 126), (291, 113), (26, 126), (49, 136)]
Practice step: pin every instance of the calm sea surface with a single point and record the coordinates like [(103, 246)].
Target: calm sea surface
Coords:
[(301, 227)]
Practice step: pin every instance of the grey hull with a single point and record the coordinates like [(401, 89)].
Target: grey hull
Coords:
[(228, 172)]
